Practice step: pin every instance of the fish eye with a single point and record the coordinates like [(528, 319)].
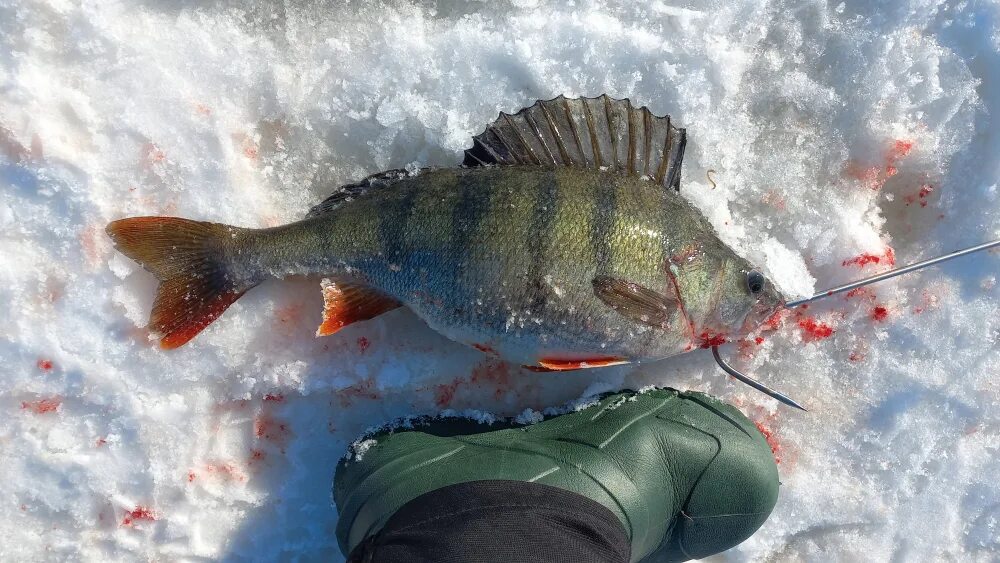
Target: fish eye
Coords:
[(755, 281)]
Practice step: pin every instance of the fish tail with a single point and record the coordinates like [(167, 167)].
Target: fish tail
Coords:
[(196, 264)]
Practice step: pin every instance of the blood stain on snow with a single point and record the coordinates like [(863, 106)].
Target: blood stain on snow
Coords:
[(492, 372), (772, 441), (151, 154), (274, 398), (42, 406), (44, 365), (226, 471), (137, 514), (773, 199), (444, 393), (864, 292), (874, 177), (274, 430), (774, 321), (888, 257), (867, 175), (920, 197), (363, 344), (813, 330), (100, 442), (745, 349), (709, 338), (360, 390), (879, 313), (486, 349), (191, 476), (95, 244), (856, 356), (256, 457)]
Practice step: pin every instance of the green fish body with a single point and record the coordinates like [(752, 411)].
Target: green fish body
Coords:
[(550, 265)]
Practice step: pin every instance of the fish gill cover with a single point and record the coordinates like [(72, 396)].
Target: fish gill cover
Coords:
[(842, 140)]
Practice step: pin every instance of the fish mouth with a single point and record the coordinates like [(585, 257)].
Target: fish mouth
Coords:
[(762, 312)]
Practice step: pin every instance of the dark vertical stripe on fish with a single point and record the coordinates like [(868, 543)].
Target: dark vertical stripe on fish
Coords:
[(471, 208), (392, 223), (540, 239), (605, 207)]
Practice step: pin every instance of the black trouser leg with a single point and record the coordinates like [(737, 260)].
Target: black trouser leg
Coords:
[(498, 521)]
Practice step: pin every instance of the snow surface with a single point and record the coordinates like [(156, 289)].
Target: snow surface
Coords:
[(823, 122)]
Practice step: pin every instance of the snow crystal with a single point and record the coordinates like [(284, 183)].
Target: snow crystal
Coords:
[(824, 122), (358, 449)]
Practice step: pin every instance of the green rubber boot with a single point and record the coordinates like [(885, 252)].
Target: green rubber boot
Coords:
[(686, 474)]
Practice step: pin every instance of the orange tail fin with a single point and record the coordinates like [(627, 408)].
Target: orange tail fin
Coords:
[(192, 261)]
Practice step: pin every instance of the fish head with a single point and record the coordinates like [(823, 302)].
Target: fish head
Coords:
[(767, 300), (724, 295)]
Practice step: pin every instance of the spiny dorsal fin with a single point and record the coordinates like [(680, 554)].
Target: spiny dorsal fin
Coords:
[(599, 132), (350, 191)]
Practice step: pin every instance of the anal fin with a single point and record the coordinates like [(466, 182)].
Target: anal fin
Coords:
[(347, 303), (556, 364)]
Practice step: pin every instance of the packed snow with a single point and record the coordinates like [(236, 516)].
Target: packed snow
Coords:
[(842, 141)]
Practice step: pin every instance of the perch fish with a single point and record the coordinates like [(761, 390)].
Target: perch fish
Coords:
[(563, 242)]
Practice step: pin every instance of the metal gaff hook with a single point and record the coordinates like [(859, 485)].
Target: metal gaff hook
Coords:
[(839, 289)]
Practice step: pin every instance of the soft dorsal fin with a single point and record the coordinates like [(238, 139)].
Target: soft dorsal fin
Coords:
[(600, 132), (348, 192)]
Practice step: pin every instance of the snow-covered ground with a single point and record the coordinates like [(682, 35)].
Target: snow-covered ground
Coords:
[(841, 139)]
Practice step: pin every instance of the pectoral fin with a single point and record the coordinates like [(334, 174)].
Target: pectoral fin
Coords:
[(346, 303), (636, 302)]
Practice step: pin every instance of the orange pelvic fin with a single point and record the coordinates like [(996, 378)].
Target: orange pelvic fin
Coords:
[(551, 364), (346, 303)]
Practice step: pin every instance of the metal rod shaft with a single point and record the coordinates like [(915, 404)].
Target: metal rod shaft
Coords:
[(752, 382), (893, 273)]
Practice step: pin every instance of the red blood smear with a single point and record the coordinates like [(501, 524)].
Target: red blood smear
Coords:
[(900, 149), (774, 321), (191, 476), (443, 394), (492, 372), (42, 406), (485, 348), (856, 357), (772, 441), (859, 291), (44, 365), (879, 313), (869, 176), (227, 471), (140, 513), (361, 390), (862, 260), (363, 344), (707, 339), (101, 441), (813, 330), (271, 429), (759, 340), (256, 456), (274, 398)]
